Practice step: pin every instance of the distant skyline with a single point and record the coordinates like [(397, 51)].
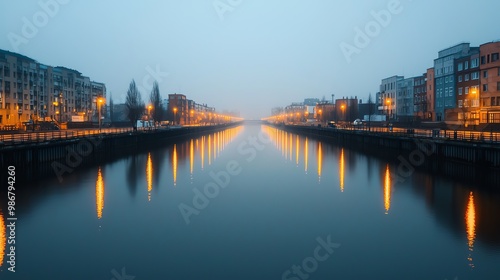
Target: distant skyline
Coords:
[(246, 56)]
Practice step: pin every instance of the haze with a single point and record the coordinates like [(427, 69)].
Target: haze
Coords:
[(249, 58)]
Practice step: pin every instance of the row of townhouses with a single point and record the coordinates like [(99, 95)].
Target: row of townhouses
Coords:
[(463, 88), (31, 91)]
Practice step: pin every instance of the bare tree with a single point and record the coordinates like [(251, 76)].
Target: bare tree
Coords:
[(370, 110), (134, 103), (155, 100)]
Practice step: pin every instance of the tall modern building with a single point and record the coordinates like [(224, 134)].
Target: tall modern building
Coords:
[(490, 82), (388, 96), (31, 91), (445, 84)]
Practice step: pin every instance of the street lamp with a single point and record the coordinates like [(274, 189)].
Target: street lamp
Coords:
[(388, 101), (100, 100), (319, 114), (56, 104), (342, 107), (175, 115)]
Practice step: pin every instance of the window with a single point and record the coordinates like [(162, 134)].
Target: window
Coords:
[(485, 87), (466, 65), (446, 80), (460, 91), (466, 77), (466, 90), (483, 60), (460, 78), (485, 74), (451, 79), (460, 66), (475, 76), (446, 92), (460, 102), (498, 86), (474, 63), (494, 57), (451, 91)]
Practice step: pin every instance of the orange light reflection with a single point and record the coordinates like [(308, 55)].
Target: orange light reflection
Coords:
[(99, 193)]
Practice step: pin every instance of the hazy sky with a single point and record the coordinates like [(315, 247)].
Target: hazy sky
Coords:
[(245, 55)]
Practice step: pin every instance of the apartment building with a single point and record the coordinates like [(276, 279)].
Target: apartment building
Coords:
[(405, 99), (467, 90), (445, 84), (490, 82), (31, 91), (387, 97)]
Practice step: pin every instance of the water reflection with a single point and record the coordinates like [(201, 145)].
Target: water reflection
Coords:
[(297, 150), (306, 154), (191, 157), (320, 160), (99, 193), (174, 164), (387, 189), (470, 222), (149, 175), (341, 170), (3, 238)]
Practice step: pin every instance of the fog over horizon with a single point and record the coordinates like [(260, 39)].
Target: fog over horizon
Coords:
[(244, 56)]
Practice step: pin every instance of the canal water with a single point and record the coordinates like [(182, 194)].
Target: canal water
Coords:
[(252, 202)]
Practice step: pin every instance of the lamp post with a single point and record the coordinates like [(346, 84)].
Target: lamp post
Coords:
[(149, 113), (388, 101), (100, 100), (56, 104), (319, 115), (175, 115), (342, 107)]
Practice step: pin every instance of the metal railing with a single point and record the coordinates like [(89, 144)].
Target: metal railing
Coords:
[(458, 135), (39, 137)]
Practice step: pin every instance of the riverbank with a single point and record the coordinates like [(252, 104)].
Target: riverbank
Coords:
[(59, 156), (474, 162)]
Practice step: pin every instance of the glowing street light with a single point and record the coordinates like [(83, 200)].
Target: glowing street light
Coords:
[(100, 101), (388, 101), (175, 115)]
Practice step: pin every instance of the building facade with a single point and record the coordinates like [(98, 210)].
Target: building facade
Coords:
[(431, 116), (32, 92), (405, 99), (467, 90), (420, 102), (388, 96), (445, 84), (490, 83)]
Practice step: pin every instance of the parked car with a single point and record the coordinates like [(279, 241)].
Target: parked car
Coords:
[(332, 124), (357, 122)]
